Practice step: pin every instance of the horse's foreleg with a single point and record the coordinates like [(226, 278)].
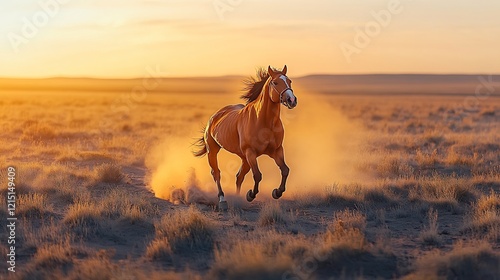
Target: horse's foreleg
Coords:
[(279, 158), (257, 175), (241, 174)]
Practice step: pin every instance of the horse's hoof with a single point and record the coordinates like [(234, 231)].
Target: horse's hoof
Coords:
[(277, 194), (223, 206), (250, 196)]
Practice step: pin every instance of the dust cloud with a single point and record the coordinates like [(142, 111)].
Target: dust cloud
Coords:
[(322, 147)]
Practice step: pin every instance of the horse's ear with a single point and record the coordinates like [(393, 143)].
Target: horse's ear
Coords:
[(270, 71), (284, 70)]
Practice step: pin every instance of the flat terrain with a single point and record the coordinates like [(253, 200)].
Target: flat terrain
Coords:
[(381, 186)]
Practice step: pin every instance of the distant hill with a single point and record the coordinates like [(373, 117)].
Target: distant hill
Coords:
[(398, 84), (326, 84)]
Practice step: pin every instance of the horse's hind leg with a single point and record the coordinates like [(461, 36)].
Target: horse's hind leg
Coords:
[(241, 174), (213, 150), (279, 158)]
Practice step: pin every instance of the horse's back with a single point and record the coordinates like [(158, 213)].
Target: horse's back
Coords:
[(223, 127), (227, 111)]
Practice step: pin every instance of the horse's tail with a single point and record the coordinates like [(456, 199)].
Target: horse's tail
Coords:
[(200, 143)]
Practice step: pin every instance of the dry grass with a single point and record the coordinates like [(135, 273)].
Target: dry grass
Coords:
[(119, 204), (394, 167), (271, 214), (80, 181), (84, 218), (446, 192), (429, 234), (34, 205), (484, 217), (52, 256), (344, 191), (346, 231), (350, 219), (455, 158), (39, 132), (427, 159), (49, 232), (345, 250), (250, 260), (108, 173), (159, 250), (187, 231), (477, 261)]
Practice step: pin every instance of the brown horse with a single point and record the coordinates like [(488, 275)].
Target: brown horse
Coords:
[(251, 130)]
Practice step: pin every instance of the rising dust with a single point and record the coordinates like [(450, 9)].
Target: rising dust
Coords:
[(322, 147)]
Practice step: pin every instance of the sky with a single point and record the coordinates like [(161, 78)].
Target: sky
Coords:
[(125, 38)]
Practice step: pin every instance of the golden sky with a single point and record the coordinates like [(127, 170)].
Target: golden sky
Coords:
[(122, 38)]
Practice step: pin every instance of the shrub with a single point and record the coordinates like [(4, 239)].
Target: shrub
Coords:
[(429, 234), (159, 249), (84, 218), (477, 261), (33, 205), (53, 255), (186, 231), (272, 213), (108, 173)]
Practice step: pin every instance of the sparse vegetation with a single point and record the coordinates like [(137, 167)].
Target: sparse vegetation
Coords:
[(483, 218), (34, 205), (52, 256), (251, 260), (425, 175), (186, 231), (109, 173), (429, 234), (84, 218), (272, 213), (159, 249), (475, 261)]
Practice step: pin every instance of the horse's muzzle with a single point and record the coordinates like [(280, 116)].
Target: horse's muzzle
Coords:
[(290, 104)]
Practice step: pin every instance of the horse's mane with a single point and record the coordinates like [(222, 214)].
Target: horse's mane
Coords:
[(254, 85)]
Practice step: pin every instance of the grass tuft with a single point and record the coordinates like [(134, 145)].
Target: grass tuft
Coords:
[(477, 261), (34, 205), (272, 213), (53, 255), (186, 231), (159, 250), (429, 234), (252, 259), (84, 218), (109, 173), (484, 217)]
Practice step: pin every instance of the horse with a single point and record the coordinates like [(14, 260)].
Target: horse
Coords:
[(251, 130)]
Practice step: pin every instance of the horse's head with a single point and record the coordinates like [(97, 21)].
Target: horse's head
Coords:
[(281, 88)]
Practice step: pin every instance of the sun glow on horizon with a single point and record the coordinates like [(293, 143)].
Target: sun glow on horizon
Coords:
[(216, 38)]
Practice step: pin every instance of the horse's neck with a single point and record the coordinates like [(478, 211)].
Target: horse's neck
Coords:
[(266, 109)]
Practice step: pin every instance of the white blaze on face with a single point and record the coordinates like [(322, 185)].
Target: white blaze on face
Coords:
[(288, 92)]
